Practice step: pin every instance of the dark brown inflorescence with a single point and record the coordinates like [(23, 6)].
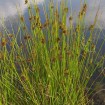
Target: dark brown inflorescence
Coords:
[(22, 18), (27, 37), (4, 41), (26, 1), (83, 10)]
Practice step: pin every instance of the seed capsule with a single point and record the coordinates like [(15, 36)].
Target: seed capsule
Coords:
[(37, 9), (52, 6), (43, 41), (26, 37), (66, 10), (41, 26), (10, 35), (11, 44), (24, 28), (21, 45), (91, 27), (84, 54), (3, 42), (93, 46), (29, 60), (56, 14), (33, 27), (22, 18), (61, 27), (85, 6), (66, 72), (68, 53), (83, 11), (53, 59), (70, 18), (64, 31), (58, 39), (34, 17), (17, 57), (26, 1), (30, 18), (23, 78), (60, 57)]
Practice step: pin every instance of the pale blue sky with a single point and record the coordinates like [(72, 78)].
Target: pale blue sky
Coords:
[(8, 8)]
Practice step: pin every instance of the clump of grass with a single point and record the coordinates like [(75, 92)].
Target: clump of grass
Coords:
[(49, 65)]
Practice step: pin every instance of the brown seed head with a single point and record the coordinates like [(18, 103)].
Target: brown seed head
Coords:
[(85, 6), (53, 59), (66, 72), (70, 18), (37, 9), (60, 57), (43, 41), (93, 46), (56, 13), (64, 31), (28, 60), (61, 27), (83, 11), (10, 35), (30, 18), (22, 18), (66, 10), (4, 41), (34, 17), (68, 53), (91, 27), (23, 78), (26, 37), (26, 1), (33, 27), (58, 39), (84, 54), (45, 25), (11, 44), (21, 45), (24, 28), (52, 6), (41, 26), (17, 57)]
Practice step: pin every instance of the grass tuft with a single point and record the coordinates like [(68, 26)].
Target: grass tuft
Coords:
[(52, 63)]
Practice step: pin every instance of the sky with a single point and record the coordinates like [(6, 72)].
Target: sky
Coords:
[(8, 9)]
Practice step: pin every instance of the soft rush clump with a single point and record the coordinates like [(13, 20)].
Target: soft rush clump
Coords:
[(50, 64)]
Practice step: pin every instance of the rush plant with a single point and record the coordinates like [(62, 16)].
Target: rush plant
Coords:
[(50, 62)]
